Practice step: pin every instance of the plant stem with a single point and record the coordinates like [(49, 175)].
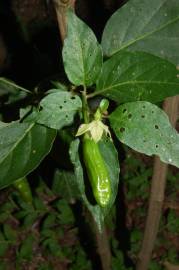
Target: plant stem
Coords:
[(101, 239), (103, 247), (61, 7), (102, 242), (85, 106), (157, 195)]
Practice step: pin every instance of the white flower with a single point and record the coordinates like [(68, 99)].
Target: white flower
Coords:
[(96, 129)]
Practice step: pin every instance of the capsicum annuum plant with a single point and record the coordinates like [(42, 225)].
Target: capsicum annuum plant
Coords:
[(135, 66)]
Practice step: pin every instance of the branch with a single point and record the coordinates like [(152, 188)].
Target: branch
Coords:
[(61, 7), (170, 106), (103, 247)]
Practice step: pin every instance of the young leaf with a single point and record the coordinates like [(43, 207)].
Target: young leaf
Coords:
[(22, 147), (109, 154), (58, 109), (146, 128), (82, 55), (151, 26), (132, 76)]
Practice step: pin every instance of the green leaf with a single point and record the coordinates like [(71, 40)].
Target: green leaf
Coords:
[(28, 114), (26, 249), (82, 55), (12, 90), (22, 148), (146, 128), (6, 84), (135, 239), (155, 266), (172, 222), (109, 154), (58, 109), (49, 221), (53, 247), (64, 184), (75, 159), (132, 76), (4, 244), (9, 232), (110, 157), (58, 86), (65, 212), (151, 26), (30, 219)]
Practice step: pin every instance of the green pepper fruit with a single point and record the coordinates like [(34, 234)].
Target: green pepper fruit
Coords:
[(97, 171), (23, 187)]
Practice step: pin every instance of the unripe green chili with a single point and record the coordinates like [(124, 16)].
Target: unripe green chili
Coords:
[(23, 187), (97, 171)]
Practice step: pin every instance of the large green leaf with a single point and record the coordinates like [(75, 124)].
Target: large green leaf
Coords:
[(143, 25), (58, 109), (146, 128), (131, 76), (82, 55), (109, 154), (22, 147)]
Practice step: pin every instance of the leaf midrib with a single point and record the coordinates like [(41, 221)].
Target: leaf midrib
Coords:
[(132, 82), (144, 36), (18, 141)]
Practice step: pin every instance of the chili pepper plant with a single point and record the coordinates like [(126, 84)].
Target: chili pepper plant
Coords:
[(114, 91)]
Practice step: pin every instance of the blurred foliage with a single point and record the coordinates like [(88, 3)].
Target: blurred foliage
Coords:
[(46, 235)]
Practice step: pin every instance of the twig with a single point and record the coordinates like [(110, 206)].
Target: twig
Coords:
[(61, 7), (103, 247), (170, 106)]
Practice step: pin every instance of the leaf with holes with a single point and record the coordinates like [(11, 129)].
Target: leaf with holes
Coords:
[(110, 156), (22, 148), (146, 128), (58, 109), (150, 26), (82, 55), (132, 76)]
